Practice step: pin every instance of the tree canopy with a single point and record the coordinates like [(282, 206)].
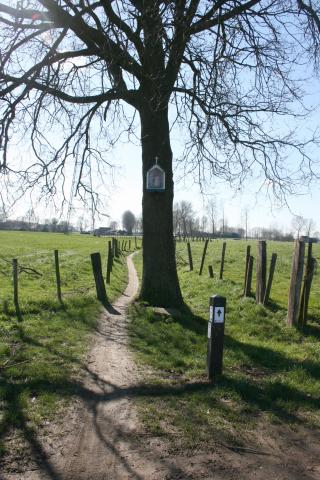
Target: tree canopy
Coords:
[(128, 221), (228, 73), (225, 67)]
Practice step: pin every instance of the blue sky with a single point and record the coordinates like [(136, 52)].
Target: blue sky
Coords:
[(123, 191), (263, 212)]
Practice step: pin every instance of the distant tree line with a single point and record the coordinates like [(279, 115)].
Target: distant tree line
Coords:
[(186, 222), (52, 225)]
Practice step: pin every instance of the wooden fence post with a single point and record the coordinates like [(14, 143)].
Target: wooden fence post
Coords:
[(307, 282), (247, 292), (15, 275), (58, 279), (210, 271), (270, 278), (109, 263), (295, 283), (117, 248), (261, 271), (111, 246), (223, 255), (98, 277), (190, 256), (203, 256), (246, 269)]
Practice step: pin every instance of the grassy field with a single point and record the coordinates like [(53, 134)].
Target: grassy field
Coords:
[(41, 354), (271, 372)]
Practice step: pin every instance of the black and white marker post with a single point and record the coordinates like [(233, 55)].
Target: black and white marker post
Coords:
[(215, 336)]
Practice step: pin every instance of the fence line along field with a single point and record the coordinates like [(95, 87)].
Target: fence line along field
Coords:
[(41, 351), (235, 263), (37, 277)]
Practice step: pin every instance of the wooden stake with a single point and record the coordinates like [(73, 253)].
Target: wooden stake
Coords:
[(246, 269), (109, 263), (223, 254), (203, 256), (247, 292), (190, 256), (98, 278), (16, 287), (270, 278), (307, 282), (261, 271), (58, 279), (295, 283)]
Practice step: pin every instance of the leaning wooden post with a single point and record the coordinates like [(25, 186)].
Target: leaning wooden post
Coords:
[(270, 278), (98, 278), (295, 283), (223, 255), (247, 292), (246, 269), (307, 282), (109, 263), (261, 271), (15, 275), (203, 256), (58, 278), (190, 256)]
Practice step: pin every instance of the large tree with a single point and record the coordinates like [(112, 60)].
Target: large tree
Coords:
[(223, 70)]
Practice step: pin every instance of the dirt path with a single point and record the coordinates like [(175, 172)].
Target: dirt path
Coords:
[(101, 438)]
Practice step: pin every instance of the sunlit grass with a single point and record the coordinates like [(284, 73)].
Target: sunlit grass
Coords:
[(271, 372), (41, 355)]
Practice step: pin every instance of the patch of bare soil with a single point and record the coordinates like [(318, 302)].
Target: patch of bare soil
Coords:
[(100, 436)]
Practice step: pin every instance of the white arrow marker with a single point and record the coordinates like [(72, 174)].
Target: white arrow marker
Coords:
[(218, 314)]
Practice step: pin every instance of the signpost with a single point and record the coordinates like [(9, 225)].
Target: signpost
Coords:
[(215, 336)]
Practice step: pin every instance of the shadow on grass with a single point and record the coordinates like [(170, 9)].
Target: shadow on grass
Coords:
[(272, 398), (280, 399), (312, 329), (274, 306), (269, 359), (264, 376)]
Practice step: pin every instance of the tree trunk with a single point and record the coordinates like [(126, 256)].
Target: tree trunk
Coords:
[(160, 284)]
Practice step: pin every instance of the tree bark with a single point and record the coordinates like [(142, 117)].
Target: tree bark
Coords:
[(160, 284)]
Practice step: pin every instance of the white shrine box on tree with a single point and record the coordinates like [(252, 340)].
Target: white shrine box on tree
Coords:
[(156, 178)]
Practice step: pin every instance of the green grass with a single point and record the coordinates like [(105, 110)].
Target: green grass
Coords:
[(41, 355), (271, 372)]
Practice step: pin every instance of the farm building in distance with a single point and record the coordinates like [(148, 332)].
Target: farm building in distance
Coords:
[(102, 231)]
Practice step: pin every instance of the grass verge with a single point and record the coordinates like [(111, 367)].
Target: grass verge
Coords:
[(271, 372), (41, 355)]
